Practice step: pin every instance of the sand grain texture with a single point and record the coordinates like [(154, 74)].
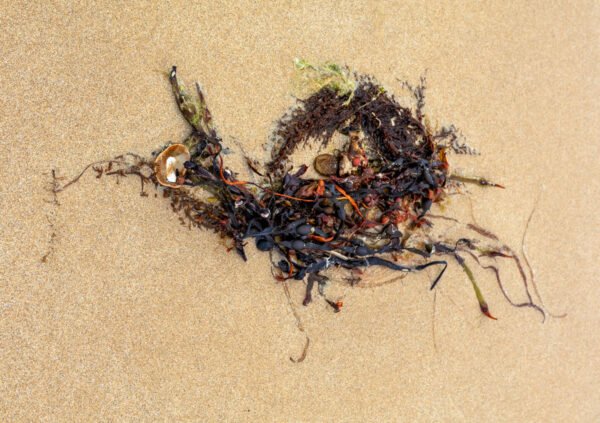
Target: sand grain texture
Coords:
[(135, 318)]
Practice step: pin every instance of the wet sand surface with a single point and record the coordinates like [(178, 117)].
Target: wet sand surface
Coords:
[(135, 318)]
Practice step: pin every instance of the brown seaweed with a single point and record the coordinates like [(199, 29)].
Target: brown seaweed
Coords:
[(395, 169)]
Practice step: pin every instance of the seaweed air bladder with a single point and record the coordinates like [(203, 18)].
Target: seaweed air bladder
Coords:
[(365, 204)]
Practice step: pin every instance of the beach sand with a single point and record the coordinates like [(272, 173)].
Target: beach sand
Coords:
[(133, 317)]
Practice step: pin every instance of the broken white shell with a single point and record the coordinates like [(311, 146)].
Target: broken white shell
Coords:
[(169, 165)]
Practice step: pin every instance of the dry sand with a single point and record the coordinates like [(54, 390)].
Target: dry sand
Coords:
[(134, 317)]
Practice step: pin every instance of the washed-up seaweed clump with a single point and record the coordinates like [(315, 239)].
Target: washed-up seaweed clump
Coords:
[(368, 204), (349, 218)]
